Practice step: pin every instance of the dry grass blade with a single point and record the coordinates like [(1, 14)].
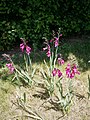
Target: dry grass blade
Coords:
[(27, 109)]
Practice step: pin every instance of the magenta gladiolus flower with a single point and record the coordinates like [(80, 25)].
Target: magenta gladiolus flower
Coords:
[(54, 72), (60, 35), (56, 41), (59, 73), (71, 71), (28, 49), (68, 71), (68, 66), (45, 48), (60, 61), (72, 75), (10, 67), (75, 70), (48, 50), (48, 53), (22, 46)]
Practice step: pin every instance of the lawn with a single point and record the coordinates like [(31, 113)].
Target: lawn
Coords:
[(19, 101)]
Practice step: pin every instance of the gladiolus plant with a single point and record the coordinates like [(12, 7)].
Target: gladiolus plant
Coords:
[(54, 77), (26, 73)]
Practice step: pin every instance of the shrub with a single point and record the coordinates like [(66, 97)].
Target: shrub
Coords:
[(34, 19)]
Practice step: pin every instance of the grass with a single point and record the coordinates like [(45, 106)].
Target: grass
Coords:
[(73, 51), (6, 89)]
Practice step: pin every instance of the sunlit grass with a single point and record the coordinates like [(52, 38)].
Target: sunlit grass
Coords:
[(78, 53)]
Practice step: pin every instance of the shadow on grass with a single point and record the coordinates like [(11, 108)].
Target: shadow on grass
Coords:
[(80, 48)]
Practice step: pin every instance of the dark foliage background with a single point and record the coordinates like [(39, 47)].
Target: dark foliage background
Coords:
[(33, 19)]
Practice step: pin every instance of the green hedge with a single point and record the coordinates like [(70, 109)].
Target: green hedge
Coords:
[(33, 19)]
